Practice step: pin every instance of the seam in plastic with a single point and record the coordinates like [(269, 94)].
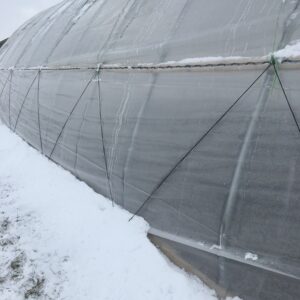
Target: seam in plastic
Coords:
[(146, 66)]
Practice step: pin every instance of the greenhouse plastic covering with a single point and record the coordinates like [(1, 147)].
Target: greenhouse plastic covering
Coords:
[(181, 112)]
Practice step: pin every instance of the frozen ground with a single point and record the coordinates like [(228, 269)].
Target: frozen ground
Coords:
[(61, 240)]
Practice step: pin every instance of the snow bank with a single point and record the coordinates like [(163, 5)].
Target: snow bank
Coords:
[(61, 240)]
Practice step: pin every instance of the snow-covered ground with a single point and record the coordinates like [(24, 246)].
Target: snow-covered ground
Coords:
[(61, 240)]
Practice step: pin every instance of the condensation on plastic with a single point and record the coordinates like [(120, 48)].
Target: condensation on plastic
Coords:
[(244, 174)]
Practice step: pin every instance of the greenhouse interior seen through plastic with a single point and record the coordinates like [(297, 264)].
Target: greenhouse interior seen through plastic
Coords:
[(177, 111)]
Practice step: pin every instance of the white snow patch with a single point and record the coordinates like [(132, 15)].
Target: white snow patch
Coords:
[(290, 51), (61, 240), (216, 247), (204, 60), (251, 256)]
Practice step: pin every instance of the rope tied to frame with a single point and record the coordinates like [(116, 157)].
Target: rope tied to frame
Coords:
[(197, 143), (99, 67), (70, 114), (102, 133), (274, 61), (38, 109)]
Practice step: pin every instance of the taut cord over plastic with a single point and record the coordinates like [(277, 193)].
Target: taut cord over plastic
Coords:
[(70, 114), (4, 85), (227, 62), (23, 103), (102, 135), (285, 95), (197, 143), (38, 112), (9, 98)]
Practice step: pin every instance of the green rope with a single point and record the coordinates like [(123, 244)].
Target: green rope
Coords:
[(163, 180), (275, 64)]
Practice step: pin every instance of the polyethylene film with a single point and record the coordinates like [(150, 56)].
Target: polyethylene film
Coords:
[(205, 146)]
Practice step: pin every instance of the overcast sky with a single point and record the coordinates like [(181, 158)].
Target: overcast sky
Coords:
[(13, 13)]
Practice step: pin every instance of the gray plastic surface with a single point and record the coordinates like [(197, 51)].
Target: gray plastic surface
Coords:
[(70, 86)]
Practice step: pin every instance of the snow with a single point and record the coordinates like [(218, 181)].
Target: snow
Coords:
[(61, 240), (207, 60), (216, 247), (251, 256), (290, 51)]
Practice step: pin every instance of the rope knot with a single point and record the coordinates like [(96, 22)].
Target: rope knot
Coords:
[(274, 60), (99, 66)]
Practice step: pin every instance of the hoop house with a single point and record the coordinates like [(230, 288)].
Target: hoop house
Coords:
[(183, 112)]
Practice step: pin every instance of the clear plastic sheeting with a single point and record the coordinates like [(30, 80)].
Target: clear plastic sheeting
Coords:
[(177, 111)]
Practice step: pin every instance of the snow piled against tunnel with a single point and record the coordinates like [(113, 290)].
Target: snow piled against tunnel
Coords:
[(61, 240)]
